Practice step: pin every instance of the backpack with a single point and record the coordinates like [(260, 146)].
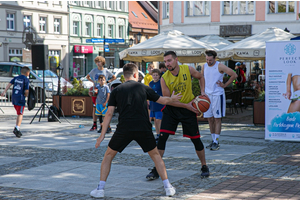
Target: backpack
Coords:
[(31, 100), (51, 117)]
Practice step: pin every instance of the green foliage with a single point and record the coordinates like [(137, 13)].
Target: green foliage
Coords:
[(122, 79), (196, 87), (78, 89), (261, 96)]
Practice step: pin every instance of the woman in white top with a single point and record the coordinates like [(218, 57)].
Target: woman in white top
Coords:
[(293, 78)]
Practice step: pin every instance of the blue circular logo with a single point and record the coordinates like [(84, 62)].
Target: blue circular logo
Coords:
[(290, 49), (293, 136)]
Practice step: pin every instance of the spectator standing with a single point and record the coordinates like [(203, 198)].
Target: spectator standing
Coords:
[(213, 72), (102, 99), (155, 108), (109, 76)]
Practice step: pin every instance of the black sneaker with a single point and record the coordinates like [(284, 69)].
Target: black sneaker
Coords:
[(108, 130), (153, 174), (99, 131), (209, 146), (215, 147), (205, 171), (17, 133)]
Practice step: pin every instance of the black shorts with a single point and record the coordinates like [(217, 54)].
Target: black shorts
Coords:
[(120, 140), (173, 115)]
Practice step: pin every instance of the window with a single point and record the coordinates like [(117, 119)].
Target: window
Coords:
[(10, 19), (110, 30), (146, 37), (121, 5), (57, 2), (238, 7), (100, 4), (27, 21), (99, 29), (88, 27), (56, 25), (144, 15), (87, 3), (165, 9), (15, 55), (121, 31), (110, 5), (134, 14), (74, 2), (43, 24), (197, 8), (281, 6), (75, 27)]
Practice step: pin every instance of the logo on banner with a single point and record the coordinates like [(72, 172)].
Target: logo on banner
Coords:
[(256, 53), (144, 52), (290, 49)]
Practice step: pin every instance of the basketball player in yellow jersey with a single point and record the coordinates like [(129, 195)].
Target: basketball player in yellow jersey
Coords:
[(178, 79)]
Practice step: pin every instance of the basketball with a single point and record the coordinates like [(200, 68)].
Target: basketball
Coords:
[(201, 103), (93, 92)]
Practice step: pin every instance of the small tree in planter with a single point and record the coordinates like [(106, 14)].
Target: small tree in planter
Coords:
[(78, 89)]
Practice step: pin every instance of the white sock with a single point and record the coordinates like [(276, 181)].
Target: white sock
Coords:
[(18, 128), (217, 138), (213, 136), (101, 185), (167, 184)]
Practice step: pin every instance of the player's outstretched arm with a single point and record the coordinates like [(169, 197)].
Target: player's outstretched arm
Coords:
[(168, 100), (106, 122)]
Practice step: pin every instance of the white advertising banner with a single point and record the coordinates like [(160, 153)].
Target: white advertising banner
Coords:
[(282, 91)]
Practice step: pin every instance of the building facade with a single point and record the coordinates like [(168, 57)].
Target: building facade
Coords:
[(90, 23), (49, 22), (233, 20)]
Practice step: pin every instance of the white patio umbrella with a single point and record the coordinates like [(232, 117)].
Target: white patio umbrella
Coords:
[(188, 50), (215, 41), (254, 47)]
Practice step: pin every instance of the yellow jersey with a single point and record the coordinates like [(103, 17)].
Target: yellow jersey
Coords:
[(182, 83), (147, 79)]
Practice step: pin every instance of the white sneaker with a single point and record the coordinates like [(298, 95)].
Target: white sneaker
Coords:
[(170, 191), (97, 193)]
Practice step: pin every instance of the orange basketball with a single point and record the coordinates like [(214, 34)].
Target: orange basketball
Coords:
[(201, 103), (92, 92)]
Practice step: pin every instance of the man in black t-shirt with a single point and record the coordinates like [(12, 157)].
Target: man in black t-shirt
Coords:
[(131, 99)]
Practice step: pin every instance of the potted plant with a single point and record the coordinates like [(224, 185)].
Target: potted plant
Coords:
[(75, 101), (259, 108)]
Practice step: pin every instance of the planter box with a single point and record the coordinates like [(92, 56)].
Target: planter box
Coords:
[(259, 112), (75, 105)]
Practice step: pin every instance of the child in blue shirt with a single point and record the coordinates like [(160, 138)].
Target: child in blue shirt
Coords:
[(155, 108), (102, 100), (19, 92)]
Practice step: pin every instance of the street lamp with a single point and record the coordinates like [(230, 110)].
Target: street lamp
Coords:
[(139, 36), (59, 71), (130, 42)]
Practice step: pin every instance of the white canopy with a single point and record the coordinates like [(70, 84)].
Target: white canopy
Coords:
[(188, 50), (254, 47), (215, 41)]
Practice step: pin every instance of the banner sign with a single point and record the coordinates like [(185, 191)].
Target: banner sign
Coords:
[(83, 49), (101, 40), (282, 91)]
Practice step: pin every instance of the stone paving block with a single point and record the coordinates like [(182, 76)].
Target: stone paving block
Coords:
[(6, 159)]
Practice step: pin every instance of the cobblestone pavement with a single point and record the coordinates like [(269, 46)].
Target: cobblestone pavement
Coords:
[(273, 172)]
